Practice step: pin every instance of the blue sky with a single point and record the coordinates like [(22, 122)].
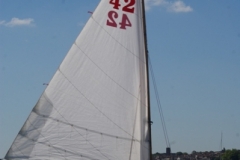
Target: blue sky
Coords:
[(194, 48)]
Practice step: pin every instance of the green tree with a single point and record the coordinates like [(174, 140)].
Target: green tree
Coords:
[(231, 155), (179, 153)]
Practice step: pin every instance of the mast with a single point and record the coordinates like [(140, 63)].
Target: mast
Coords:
[(148, 86)]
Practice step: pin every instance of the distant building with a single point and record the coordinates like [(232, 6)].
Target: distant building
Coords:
[(184, 156)]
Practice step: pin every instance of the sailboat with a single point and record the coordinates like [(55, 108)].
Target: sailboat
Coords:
[(96, 106)]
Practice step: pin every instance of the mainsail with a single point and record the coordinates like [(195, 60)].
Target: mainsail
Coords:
[(96, 105)]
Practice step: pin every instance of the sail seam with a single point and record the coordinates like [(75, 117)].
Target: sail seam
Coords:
[(82, 128), (40, 135), (106, 75), (80, 133), (93, 104), (56, 148), (118, 41), (134, 126), (18, 149), (28, 120)]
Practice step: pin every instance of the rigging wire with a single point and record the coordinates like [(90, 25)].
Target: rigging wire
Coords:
[(159, 104)]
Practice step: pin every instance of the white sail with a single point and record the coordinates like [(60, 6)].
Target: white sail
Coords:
[(95, 107)]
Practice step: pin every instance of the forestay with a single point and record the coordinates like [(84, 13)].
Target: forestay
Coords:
[(95, 107)]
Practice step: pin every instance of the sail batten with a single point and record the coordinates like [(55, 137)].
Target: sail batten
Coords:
[(96, 105)]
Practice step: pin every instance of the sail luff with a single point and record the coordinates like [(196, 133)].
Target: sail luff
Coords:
[(147, 70)]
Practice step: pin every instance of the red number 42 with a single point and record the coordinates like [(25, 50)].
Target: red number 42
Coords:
[(112, 15), (115, 3), (128, 8)]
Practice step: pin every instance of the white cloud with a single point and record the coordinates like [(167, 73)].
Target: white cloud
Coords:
[(2, 23), (177, 6), (151, 3), (18, 22)]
